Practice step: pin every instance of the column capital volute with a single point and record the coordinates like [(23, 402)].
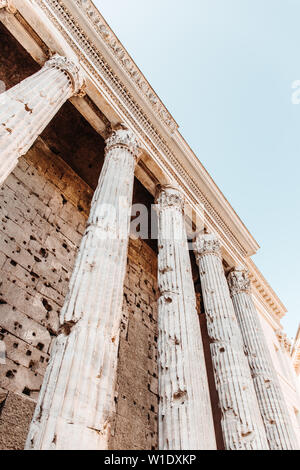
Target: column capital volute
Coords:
[(122, 137), (239, 281), (169, 196), (8, 5), (207, 243), (70, 68)]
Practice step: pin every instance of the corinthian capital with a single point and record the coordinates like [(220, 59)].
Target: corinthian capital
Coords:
[(123, 138), (207, 243), (68, 67), (8, 5), (239, 281), (169, 196)]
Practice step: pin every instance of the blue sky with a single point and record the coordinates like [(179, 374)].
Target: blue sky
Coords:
[(224, 69)]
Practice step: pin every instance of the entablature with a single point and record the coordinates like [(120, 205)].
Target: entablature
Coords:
[(117, 91)]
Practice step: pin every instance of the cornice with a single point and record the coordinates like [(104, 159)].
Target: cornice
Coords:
[(123, 138), (262, 289)]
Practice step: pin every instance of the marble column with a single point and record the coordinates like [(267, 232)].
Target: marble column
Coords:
[(27, 108), (273, 409), (75, 409), (242, 424), (185, 415)]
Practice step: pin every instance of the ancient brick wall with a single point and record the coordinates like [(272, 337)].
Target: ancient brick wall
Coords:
[(43, 210)]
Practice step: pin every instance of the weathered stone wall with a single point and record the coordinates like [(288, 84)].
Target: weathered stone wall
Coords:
[(137, 382), (43, 210)]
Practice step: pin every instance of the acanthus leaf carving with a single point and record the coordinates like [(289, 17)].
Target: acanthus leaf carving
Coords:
[(239, 281), (169, 196), (8, 5)]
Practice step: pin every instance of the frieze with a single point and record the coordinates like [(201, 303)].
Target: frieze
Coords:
[(239, 281), (127, 63)]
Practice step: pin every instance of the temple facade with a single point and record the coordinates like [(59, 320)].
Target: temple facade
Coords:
[(131, 313)]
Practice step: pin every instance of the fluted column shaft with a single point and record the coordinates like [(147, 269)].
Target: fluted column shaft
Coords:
[(241, 420), (185, 415), (27, 108), (272, 405), (75, 408)]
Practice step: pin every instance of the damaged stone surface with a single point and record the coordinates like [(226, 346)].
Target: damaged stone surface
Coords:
[(15, 415), (241, 419), (43, 211), (185, 415), (76, 404), (279, 430), (27, 108)]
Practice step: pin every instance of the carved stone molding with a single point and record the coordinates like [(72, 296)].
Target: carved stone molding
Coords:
[(241, 419), (127, 63), (123, 137), (94, 61), (185, 417), (238, 280), (169, 196), (210, 244), (279, 429), (284, 341), (8, 5), (70, 68)]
